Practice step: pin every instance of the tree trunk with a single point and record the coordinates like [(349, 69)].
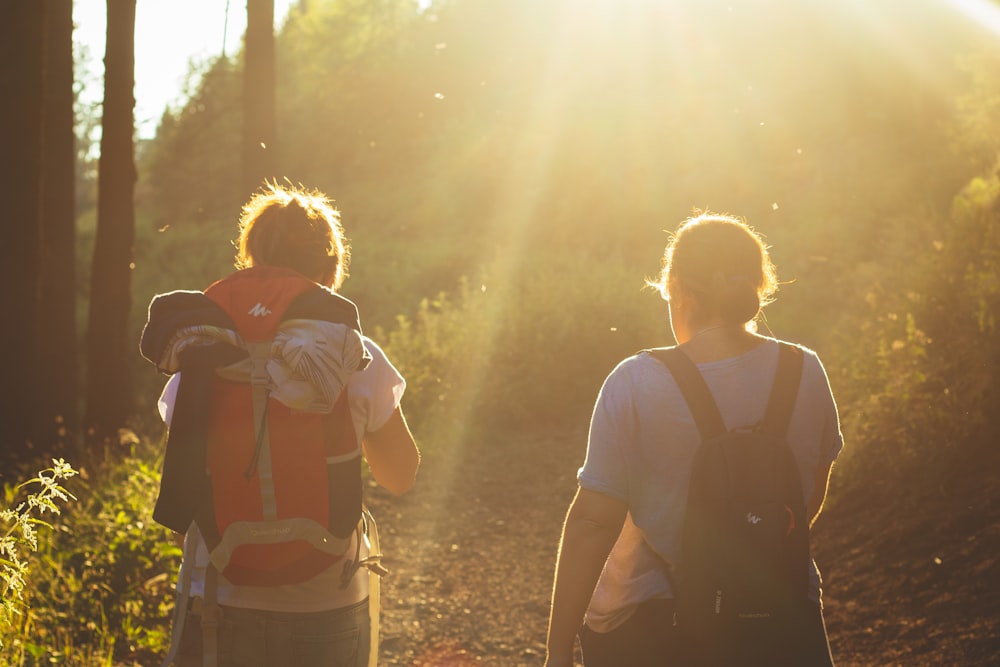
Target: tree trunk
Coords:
[(259, 105), (109, 347), (22, 39), (57, 365)]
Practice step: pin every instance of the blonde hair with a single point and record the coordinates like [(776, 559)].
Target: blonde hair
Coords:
[(723, 262), (294, 228)]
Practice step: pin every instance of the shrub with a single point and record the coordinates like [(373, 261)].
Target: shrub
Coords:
[(522, 352), (919, 369), (103, 590), (20, 519)]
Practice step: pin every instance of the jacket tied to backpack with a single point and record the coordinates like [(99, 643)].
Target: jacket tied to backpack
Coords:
[(307, 363), (262, 452)]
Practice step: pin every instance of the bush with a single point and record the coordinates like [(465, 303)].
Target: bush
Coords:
[(918, 372), (103, 589), (19, 533), (523, 352)]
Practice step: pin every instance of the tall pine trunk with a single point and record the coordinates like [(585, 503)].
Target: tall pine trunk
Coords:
[(57, 365), (109, 345), (22, 40), (259, 105)]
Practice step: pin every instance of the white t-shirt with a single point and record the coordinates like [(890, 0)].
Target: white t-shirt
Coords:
[(641, 445), (374, 394)]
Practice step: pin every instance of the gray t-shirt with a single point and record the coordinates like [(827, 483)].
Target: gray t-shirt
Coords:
[(641, 445)]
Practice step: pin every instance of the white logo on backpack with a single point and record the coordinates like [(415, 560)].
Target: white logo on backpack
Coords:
[(259, 310)]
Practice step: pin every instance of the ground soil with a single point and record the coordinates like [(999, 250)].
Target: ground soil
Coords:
[(911, 575)]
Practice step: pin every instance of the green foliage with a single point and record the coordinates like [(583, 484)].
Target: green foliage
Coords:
[(24, 507), (439, 120), (976, 131), (444, 143), (521, 146), (917, 375), (102, 590), (173, 257), (182, 256), (190, 172), (521, 349)]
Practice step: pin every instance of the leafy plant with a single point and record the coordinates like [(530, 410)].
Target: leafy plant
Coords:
[(103, 590), (916, 378), (20, 519)]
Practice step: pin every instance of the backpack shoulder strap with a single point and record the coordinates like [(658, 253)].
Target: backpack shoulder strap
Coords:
[(323, 304), (784, 391), (694, 389)]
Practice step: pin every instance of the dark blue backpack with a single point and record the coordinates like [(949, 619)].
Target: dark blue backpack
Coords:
[(743, 587)]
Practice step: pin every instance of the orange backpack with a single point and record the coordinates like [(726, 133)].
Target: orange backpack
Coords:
[(262, 451)]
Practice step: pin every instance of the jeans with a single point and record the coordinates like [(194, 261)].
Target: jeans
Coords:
[(646, 639), (649, 639), (255, 638)]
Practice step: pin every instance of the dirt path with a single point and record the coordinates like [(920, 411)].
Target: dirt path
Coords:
[(471, 552), (912, 575)]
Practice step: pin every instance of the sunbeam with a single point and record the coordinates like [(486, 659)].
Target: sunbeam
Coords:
[(985, 13), (525, 184)]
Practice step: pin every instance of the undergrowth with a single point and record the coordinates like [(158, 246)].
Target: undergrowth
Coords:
[(100, 589), (522, 353), (24, 506)]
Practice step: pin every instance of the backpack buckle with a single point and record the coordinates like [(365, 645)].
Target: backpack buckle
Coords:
[(259, 352)]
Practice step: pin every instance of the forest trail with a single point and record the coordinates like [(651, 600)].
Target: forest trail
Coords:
[(472, 548)]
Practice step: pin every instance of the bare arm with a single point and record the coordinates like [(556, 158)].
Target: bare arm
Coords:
[(392, 454), (820, 485), (591, 529)]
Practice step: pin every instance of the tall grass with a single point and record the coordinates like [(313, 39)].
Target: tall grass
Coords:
[(100, 583)]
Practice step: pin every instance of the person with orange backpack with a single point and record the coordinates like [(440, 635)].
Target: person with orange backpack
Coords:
[(687, 543), (275, 397)]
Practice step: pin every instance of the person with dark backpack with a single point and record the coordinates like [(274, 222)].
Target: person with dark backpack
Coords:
[(687, 543), (275, 397)]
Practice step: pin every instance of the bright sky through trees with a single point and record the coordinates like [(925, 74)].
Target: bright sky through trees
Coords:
[(983, 12), (168, 35)]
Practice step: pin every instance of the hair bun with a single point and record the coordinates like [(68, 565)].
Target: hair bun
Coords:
[(723, 262)]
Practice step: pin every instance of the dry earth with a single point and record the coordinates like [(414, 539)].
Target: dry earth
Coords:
[(911, 581)]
